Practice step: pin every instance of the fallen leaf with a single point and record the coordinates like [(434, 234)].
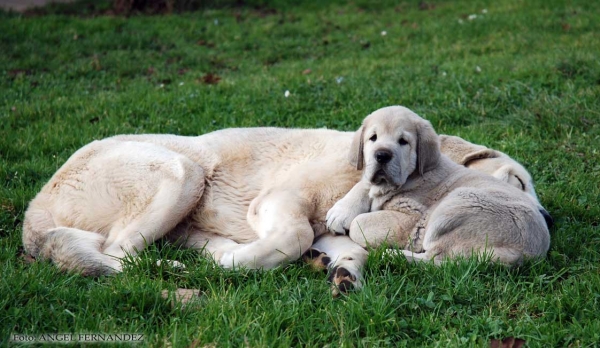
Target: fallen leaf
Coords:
[(424, 6), (27, 258), (211, 79), (566, 26), (184, 296), (208, 44), (238, 17), (95, 63), (306, 72), (507, 342), (16, 72)]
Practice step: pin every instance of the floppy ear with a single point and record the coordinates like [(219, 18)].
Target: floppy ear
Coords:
[(428, 147), (356, 149), (507, 174), (461, 151), (476, 155)]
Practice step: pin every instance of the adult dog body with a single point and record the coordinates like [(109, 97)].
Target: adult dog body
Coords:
[(460, 211), (249, 197)]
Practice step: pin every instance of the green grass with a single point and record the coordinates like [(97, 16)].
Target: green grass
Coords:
[(66, 80)]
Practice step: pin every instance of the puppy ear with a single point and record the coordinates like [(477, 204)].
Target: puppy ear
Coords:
[(477, 155), (507, 174), (428, 147), (461, 151), (356, 149)]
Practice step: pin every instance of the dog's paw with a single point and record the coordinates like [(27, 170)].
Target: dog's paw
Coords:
[(227, 260), (171, 263), (343, 280), (339, 218), (317, 259)]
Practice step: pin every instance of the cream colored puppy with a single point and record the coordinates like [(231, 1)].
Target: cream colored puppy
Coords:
[(461, 211), (492, 162), (245, 197)]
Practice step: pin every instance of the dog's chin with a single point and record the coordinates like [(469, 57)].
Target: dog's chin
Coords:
[(380, 178), (383, 178)]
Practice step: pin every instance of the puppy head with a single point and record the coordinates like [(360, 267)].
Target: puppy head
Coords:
[(391, 144)]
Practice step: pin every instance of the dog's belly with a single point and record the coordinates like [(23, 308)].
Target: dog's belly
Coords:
[(224, 207)]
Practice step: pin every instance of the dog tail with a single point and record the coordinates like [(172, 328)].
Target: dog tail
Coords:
[(70, 249)]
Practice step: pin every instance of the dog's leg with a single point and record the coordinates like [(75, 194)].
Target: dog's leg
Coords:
[(109, 200), (176, 194), (384, 226), (279, 218), (344, 258), (343, 212), (413, 257), (209, 244)]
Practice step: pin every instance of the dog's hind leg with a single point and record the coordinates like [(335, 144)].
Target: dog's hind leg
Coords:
[(209, 244), (279, 218), (110, 199), (68, 248), (176, 194), (344, 258)]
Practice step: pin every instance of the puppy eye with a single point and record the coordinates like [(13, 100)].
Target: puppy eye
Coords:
[(373, 138), (402, 141)]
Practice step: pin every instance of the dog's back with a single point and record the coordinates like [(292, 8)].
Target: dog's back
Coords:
[(478, 212)]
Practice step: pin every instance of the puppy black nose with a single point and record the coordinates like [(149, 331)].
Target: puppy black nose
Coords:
[(383, 156)]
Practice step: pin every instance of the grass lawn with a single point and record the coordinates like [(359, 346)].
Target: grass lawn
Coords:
[(522, 77)]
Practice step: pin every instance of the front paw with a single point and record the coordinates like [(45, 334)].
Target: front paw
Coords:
[(339, 219)]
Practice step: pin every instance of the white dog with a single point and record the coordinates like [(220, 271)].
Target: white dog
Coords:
[(245, 197)]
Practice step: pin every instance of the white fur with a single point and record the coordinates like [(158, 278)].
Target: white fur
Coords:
[(246, 197)]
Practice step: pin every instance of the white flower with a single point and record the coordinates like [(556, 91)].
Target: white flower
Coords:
[(460, 21), (478, 69), (484, 10), (472, 17), (286, 94), (181, 83), (384, 33), (444, 73), (339, 79), (162, 85), (216, 22)]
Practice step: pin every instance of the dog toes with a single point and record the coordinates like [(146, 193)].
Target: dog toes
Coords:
[(317, 259), (343, 281)]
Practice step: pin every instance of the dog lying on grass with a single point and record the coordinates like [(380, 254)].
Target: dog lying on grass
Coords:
[(449, 210), (245, 197), (251, 197)]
